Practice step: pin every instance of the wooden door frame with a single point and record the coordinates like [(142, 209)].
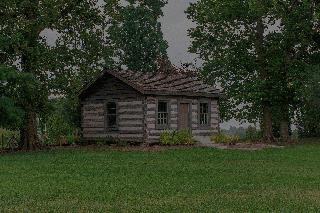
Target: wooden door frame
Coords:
[(190, 113)]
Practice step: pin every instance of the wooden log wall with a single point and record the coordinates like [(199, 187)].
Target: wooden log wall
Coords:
[(130, 109), (137, 119), (214, 120), (152, 133), (93, 120)]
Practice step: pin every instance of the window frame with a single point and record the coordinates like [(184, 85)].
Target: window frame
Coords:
[(167, 125), (116, 127), (208, 124)]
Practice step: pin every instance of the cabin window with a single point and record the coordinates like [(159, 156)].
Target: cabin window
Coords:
[(163, 115), (204, 114), (112, 115)]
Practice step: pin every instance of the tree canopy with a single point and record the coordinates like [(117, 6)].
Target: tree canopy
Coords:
[(135, 33), (24, 47), (257, 51), (10, 114)]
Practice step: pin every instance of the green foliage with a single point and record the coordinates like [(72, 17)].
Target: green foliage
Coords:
[(10, 113), (182, 137), (166, 137), (72, 139), (224, 138), (252, 134), (229, 57), (309, 115), (11, 116), (8, 139), (82, 49), (68, 108), (256, 69), (57, 129), (61, 67), (19, 92), (136, 34), (61, 124)]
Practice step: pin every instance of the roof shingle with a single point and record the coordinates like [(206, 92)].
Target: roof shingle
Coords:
[(175, 83)]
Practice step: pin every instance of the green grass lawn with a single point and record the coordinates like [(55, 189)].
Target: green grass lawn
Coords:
[(181, 180)]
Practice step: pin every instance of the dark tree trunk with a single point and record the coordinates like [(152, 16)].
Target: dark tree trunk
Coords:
[(267, 124), (28, 58), (284, 122), (284, 131), (264, 76), (28, 134), (286, 96), (29, 130)]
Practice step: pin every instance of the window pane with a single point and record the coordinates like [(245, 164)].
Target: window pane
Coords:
[(111, 115), (162, 113), (162, 118), (162, 106), (204, 108), (204, 119), (204, 113), (111, 108), (112, 120)]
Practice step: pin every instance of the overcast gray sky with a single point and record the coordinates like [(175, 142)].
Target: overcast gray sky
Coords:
[(175, 25)]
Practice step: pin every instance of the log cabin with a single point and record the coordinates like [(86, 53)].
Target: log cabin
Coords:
[(137, 107)]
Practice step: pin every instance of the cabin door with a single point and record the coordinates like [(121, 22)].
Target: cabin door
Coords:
[(184, 115)]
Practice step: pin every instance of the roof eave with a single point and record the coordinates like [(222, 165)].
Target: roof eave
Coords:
[(116, 75), (133, 85), (85, 88), (181, 93)]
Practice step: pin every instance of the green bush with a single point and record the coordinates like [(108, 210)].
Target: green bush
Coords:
[(252, 134), (58, 131), (72, 139), (182, 137), (8, 138), (166, 137), (224, 138)]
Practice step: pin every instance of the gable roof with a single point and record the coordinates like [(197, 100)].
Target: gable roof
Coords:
[(176, 83)]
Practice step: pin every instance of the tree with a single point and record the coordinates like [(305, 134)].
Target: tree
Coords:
[(257, 51), (230, 39), (309, 111), (19, 91), (292, 49), (308, 115), (135, 33), (22, 24)]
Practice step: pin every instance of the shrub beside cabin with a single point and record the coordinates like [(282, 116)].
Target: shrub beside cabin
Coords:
[(137, 107)]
